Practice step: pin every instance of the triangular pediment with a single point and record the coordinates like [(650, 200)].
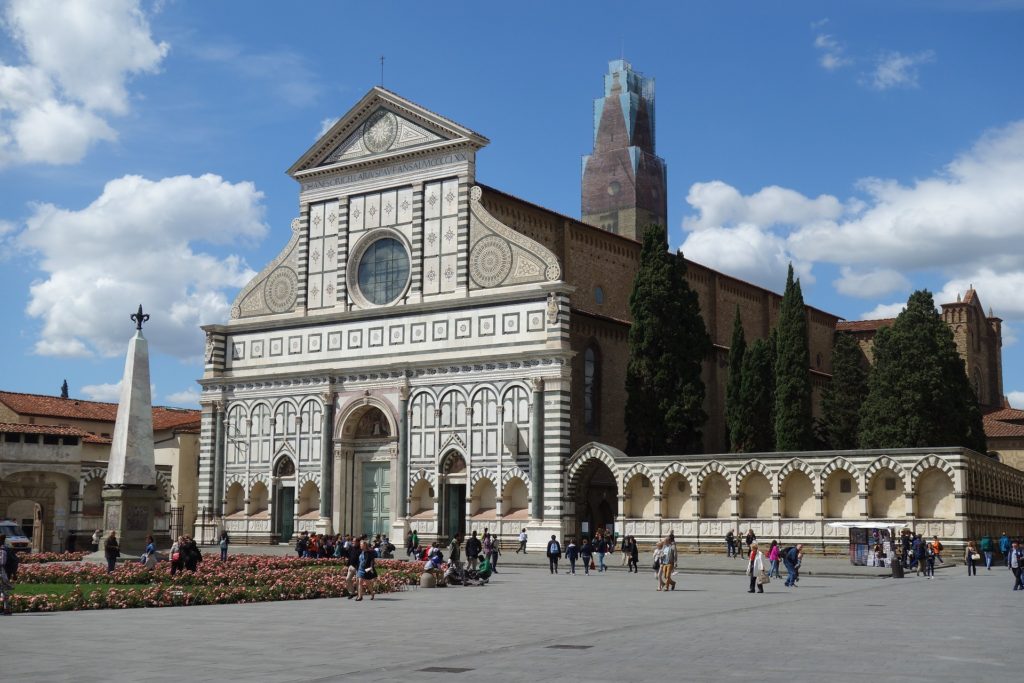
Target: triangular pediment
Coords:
[(382, 127)]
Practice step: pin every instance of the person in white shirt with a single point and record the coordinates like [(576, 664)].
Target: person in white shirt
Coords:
[(522, 542)]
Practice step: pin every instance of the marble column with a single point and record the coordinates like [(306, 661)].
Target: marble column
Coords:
[(218, 461), (537, 451), (326, 464), (402, 497)]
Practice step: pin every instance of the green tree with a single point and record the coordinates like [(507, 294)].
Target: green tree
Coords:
[(793, 424), (737, 349), (842, 399), (667, 346), (918, 391), (755, 431)]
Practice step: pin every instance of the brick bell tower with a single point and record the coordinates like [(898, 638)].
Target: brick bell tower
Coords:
[(624, 181)]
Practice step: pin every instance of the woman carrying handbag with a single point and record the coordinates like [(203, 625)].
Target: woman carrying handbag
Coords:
[(756, 570)]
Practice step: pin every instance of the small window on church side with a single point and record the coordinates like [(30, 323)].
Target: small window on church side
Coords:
[(845, 485), (598, 295), (591, 383)]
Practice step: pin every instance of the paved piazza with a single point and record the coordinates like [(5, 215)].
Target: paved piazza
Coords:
[(610, 627)]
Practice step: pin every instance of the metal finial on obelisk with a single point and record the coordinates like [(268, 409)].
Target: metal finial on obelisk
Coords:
[(139, 317)]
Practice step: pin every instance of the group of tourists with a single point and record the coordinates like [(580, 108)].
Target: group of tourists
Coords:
[(734, 542), (588, 549), (481, 552), (316, 545), (186, 556)]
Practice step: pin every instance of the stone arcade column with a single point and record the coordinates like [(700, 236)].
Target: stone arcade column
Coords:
[(324, 525), (130, 495), (537, 452), (400, 527)]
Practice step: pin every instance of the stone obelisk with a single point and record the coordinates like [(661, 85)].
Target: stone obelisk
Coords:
[(130, 496)]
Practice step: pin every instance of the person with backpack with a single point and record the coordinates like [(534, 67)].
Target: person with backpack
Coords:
[(224, 541), (791, 560), (8, 571), (1004, 548), (554, 551), (937, 549), (986, 550)]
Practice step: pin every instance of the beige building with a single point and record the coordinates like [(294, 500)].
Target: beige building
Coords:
[(54, 453)]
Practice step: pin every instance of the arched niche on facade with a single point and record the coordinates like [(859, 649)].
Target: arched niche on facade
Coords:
[(367, 420), (797, 496), (484, 500), (715, 497), (755, 496), (676, 497), (284, 468), (515, 500), (259, 499), (234, 499), (309, 498), (934, 495), (841, 495), (640, 502), (421, 500), (885, 494), (596, 497)]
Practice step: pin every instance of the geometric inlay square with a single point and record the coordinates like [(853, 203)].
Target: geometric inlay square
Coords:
[(510, 323), (418, 332), (486, 325), (294, 345), (276, 346), (355, 339), (313, 343), (535, 321), (334, 341), (376, 336), (440, 330), (396, 334), (463, 328)]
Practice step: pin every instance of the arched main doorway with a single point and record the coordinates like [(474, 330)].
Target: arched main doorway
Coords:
[(597, 499), (453, 495), (369, 444), (284, 498)]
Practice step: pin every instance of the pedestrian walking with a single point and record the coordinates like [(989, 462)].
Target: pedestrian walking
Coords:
[(472, 551), (774, 555), (750, 538), (668, 562), (572, 553), (586, 554), (756, 570), (929, 561), (112, 551), (601, 548), (366, 571), (224, 542), (495, 552), (555, 552), (631, 551), (1004, 548), (97, 536), (730, 543), (971, 557), (1015, 560), (522, 542), (986, 550)]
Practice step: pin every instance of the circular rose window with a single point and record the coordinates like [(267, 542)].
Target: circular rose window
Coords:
[(383, 271)]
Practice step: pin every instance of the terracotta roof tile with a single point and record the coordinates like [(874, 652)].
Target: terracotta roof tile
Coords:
[(863, 325), (996, 429), (19, 428), (1006, 415), (94, 411)]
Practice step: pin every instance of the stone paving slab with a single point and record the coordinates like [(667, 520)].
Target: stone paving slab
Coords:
[(617, 625)]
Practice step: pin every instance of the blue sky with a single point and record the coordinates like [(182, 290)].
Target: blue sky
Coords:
[(877, 145)]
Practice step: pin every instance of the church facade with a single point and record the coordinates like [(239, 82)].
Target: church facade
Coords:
[(428, 352)]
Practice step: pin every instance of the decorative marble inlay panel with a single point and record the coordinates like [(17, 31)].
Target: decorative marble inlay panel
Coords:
[(313, 343), (276, 346), (334, 341), (294, 345), (238, 351)]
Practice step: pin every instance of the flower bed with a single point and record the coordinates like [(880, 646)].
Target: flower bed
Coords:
[(243, 578), (40, 558)]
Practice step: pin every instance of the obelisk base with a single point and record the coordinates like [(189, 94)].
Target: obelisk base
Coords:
[(130, 511)]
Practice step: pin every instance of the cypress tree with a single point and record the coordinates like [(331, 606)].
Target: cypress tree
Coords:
[(918, 391), (844, 396), (755, 432), (733, 382), (793, 424), (667, 346)]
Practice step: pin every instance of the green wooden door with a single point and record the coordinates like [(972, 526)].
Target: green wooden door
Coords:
[(376, 498), (285, 513)]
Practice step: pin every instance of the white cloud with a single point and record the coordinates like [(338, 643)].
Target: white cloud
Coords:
[(747, 252), (884, 311), (136, 243), (896, 70), (108, 393), (833, 53), (967, 216), (722, 205), (325, 125), (188, 398), (1016, 399), (79, 58), (871, 283)]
